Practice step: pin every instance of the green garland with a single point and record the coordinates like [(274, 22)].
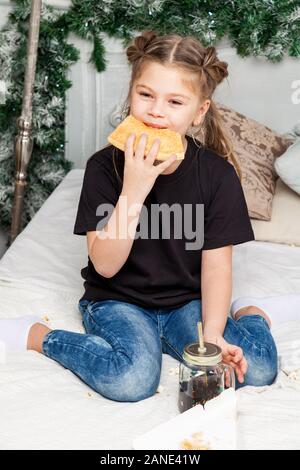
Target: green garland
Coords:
[(265, 28)]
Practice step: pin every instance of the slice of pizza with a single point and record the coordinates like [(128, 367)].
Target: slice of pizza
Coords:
[(170, 141)]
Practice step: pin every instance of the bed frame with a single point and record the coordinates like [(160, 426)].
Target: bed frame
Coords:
[(24, 143)]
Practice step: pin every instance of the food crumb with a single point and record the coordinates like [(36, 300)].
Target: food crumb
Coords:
[(293, 375), (196, 442), (174, 371), (46, 318), (160, 389)]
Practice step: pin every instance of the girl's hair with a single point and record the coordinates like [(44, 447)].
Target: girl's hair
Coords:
[(207, 71)]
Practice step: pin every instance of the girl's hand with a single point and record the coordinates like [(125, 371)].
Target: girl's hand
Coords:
[(139, 172), (232, 355)]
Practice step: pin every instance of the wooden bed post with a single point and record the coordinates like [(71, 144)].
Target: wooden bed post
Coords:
[(23, 141)]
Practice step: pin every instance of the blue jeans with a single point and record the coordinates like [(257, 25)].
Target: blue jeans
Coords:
[(120, 355)]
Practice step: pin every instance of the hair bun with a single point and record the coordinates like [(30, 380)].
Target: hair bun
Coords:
[(215, 68), (139, 46)]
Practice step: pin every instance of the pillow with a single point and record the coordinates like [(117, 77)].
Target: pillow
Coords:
[(288, 167), (284, 227), (255, 147)]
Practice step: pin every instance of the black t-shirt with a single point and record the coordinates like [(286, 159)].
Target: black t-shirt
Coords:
[(160, 271)]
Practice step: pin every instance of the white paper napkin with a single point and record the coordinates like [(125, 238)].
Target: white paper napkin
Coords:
[(213, 427)]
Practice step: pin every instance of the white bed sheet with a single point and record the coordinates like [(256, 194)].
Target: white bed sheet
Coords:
[(45, 406)]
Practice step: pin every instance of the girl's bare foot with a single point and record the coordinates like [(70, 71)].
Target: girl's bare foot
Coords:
[(252, 310), (36, 336), (275, 309)]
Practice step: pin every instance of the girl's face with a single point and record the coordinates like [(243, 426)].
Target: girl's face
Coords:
[(163, 96)]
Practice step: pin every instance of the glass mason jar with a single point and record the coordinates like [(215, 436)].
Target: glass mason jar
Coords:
[(202, 375)]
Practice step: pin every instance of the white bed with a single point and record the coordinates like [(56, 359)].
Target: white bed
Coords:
[(45, 406)]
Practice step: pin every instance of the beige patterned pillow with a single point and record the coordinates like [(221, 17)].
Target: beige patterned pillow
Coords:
[(284, 227), (255, 147)]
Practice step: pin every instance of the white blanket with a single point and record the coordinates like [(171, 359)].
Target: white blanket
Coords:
[(45, 406)]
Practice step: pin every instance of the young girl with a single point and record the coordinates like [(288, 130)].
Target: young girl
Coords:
[(144, 295)]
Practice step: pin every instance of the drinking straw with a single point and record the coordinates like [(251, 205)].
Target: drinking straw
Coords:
[(201, 348)]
